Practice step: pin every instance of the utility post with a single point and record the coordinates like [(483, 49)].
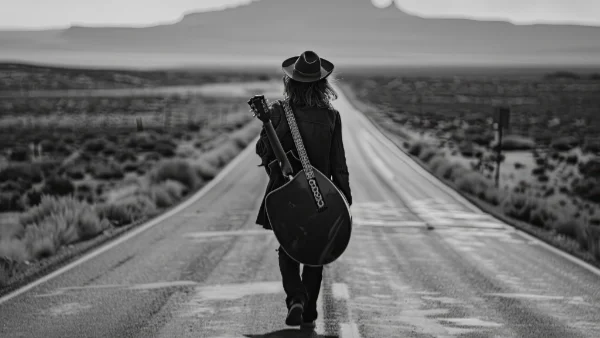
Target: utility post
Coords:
[(502, 120)]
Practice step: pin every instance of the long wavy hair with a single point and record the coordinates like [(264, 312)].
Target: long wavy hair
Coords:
[(317, 94)]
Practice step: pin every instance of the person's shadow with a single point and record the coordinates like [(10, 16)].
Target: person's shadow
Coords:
[(290, 333)]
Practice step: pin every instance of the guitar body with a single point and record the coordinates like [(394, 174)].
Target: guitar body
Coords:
[(309, 237), (310, 218)]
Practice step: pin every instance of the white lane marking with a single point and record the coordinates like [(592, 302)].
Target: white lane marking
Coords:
[(534, 296), (340, 291), (147, 286), (349, 330), (160, 285), (471, 322), (235, 291), (463, 201), (68, 309), (320, 323), (384, 223), (222, 174), (204, 234)]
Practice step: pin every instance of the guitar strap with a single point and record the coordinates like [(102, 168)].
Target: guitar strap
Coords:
[(308, 169)]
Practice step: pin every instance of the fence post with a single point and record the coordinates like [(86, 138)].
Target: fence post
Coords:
[(503, 119), (139, 124)]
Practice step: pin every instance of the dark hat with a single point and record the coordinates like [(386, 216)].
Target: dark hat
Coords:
[(308, 67)]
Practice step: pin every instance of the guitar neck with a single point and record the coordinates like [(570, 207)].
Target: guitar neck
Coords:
[(277, 148)]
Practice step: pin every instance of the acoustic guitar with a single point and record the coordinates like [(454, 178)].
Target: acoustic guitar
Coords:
[(309, 215)]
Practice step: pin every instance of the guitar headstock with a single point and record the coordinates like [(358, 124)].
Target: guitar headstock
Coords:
[(259, 106)]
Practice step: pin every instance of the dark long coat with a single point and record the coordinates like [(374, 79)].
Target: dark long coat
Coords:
[(321, 131)]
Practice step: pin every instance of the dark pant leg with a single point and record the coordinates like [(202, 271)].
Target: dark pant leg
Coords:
[(290, 276), (311, 278)]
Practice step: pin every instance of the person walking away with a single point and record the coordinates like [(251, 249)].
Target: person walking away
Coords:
[(308, 90)]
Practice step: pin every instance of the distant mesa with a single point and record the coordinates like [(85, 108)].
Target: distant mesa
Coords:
[(351, 32)]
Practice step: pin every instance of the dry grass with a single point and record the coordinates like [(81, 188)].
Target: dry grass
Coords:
[(57, 221), (564, 217)]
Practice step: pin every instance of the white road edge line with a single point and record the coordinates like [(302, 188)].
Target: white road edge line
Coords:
[(229, 167), (464, 201), (394, 148), (320, 323), (349, 329)]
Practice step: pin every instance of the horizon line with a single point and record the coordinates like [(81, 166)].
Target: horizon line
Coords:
[(200, 11)]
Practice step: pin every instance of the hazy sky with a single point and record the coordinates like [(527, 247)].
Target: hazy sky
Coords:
[(62, 13)]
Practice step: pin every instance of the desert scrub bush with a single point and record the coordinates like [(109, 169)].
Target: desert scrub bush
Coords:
[(565, 143), (592, 146), (451, 170), (59, 221), (128, 209), (32, 198), (142, 141), (58, 186), (482, 139), (538, 171), (10, 201), (152, 156), (130, 166), (416, 148), (516, 142), (572, 159), (467, 149), (590, 168), (473, 183), (220, 155), (166, 194), (587, 188), (48, 146), (436, 162), (75, 172), (165, 148), (12, 252), (124, 155), (242, 136), (519, 206), (542, 215), (12, 186), (26, 172), (20, 154), (205, 170), (85, 192), (110, 150), (543, 178), (549, 192), (566, 225), (492, 195), (427, 154), (105, 170), (177, 170), (95, 145), (540, 161)]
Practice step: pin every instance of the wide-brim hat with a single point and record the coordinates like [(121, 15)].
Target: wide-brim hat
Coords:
[(307, 67)]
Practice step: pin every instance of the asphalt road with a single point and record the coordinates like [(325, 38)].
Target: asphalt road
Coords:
[(209, 271)]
